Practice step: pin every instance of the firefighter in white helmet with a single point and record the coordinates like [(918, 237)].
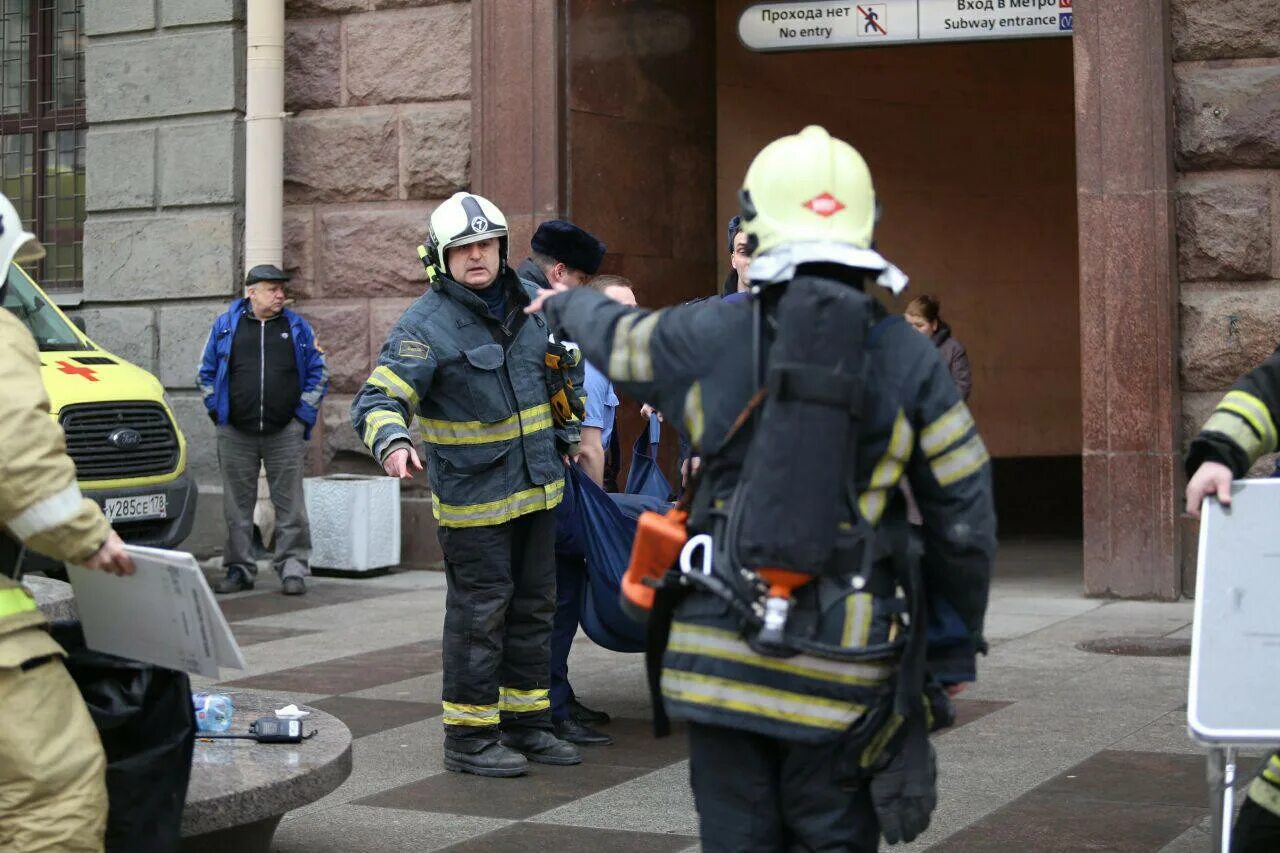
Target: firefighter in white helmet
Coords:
[(471, 365), (791, 636), (53, 792)]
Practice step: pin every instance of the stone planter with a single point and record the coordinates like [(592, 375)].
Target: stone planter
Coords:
[(355, 522)]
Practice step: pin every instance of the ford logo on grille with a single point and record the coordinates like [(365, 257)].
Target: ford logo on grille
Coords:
[(125, 438)]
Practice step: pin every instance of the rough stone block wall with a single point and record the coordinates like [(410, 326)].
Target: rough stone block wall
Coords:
[(1226, 61), (165, 194), (379, 132)]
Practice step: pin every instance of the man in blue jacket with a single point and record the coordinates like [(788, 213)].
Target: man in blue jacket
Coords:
[(262, 377)]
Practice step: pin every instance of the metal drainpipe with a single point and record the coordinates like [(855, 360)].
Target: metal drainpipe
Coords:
[(264, 135), (264, 167)]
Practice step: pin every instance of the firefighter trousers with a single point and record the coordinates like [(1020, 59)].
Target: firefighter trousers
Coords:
[(758, 794), (53, 790), (497, 628)]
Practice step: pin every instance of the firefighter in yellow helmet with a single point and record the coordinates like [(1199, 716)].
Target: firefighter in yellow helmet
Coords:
[(790, 633), (52, 769)]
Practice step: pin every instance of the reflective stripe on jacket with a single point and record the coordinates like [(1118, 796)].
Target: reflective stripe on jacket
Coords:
[(1243, 426), (478, 388), (214, 377), (696, 360)]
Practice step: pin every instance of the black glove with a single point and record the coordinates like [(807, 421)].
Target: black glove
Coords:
[(904, 789)]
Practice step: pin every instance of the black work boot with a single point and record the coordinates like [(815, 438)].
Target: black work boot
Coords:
[(583, 714), (236, 580), (541, 746), (580, 733), (493, 760)]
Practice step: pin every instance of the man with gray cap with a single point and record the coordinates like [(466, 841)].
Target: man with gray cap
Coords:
[(262, 377)]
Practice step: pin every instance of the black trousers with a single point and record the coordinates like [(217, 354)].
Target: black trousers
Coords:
[(497, 628), (761, 794)]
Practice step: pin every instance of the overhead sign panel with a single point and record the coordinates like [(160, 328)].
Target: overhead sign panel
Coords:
[(834, 23)]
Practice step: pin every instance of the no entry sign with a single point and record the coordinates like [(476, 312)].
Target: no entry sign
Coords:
[(833, 23)]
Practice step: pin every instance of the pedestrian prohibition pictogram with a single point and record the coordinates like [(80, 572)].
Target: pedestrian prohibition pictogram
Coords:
[(91, 375), (873, 19)]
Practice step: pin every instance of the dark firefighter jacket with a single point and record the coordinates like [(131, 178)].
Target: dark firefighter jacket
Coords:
[(1243, 426), (479, 390), (697, 360)]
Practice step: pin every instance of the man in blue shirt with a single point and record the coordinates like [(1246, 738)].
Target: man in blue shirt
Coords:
[(573, 720), (602, 402)]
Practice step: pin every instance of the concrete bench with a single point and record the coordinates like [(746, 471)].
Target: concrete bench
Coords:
[(239, 790)]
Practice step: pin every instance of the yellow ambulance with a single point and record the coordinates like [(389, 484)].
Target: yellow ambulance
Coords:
[(130, 455)]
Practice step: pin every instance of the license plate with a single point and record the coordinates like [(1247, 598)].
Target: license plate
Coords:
[(135, 508)]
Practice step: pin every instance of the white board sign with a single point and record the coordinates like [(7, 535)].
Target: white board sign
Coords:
[(834, 23), (1232, 696)]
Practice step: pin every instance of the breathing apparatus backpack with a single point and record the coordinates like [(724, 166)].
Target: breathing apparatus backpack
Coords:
[(780, 534)]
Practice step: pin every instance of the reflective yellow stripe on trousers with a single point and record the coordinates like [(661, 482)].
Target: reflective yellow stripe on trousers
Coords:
[(500, 511), (15, 600), (470, 715), (523, 701), (454, 433)]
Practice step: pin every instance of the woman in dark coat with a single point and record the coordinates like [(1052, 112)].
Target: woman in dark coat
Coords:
[(925, 314)]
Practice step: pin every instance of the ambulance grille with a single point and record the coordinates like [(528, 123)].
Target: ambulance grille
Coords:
[(90, 426)]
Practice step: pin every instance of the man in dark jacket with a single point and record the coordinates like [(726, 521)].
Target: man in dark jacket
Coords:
[(561, 253), (787, 747), (466, 360), (262, 378)]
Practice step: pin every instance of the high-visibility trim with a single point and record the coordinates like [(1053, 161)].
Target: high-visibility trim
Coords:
[(1253, 410), (1265, 794), (470, 715), (378, 419), (858, 609), (385, 378), (693, 414), (946, 430), (1235, 428), (954, 466), (871, 504), (59, 508), (206, 390), (887, 472), (743, 697), (630, 359), (641, 353), (313, 398), (620, 351), (461, 433), (727, 645), (499, 511), (1272, 771), (523, 701), (15, 600)]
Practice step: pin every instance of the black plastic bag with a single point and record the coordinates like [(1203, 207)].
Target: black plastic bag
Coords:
[(144, 716)]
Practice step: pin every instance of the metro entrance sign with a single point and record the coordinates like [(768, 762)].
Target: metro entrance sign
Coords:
[(836, 23)]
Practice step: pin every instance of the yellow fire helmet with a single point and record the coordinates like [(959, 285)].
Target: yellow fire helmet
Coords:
[(461, 219), (16, 243), (806, 198)]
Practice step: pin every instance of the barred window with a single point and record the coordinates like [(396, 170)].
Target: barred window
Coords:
[(42, 131)]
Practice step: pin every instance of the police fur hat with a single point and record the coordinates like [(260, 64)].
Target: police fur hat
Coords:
[(568, 244)]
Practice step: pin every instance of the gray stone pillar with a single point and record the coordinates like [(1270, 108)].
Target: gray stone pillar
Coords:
[(164, 82)]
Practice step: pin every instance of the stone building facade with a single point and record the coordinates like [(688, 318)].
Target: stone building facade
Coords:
[(607, 111)]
